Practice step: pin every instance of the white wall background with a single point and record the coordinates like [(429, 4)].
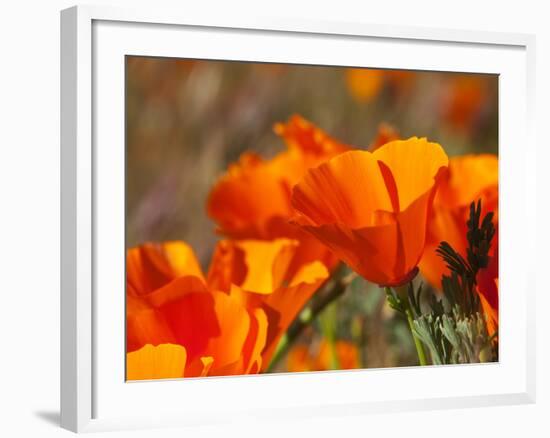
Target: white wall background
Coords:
[(29, 217)]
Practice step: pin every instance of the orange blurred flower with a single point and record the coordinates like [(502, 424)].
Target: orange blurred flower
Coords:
[(470, 177), (304, 358), (252, 199), (464, 100), (371, 209), (366, 84), (227, 322)]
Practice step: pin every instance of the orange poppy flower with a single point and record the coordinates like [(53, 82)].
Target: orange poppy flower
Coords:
[(221, 320), (218, 334), (252, 199), (470, 177), (304, 358), (261, 273), (371, 209), (238, 201)]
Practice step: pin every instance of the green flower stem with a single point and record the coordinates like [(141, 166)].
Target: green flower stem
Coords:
[(399, 301), (335, 288), (417, 342)]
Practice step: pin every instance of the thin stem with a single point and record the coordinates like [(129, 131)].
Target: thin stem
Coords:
[(400, 302), (417, 342), (336, 287)]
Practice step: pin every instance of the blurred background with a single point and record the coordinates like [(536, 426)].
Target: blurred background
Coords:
[(186, 120)]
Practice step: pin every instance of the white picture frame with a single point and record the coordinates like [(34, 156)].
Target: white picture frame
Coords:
[(93, 40)]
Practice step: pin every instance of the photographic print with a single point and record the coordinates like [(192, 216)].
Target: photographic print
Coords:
[(297, 218)]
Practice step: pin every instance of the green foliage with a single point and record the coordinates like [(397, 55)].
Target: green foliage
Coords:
[(453, 330), (479, 237), (453, 337)]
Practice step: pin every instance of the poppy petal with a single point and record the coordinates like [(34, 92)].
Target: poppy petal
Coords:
[(153, 265), (267, 263), (347, 189), (414, 164), (166, 361)]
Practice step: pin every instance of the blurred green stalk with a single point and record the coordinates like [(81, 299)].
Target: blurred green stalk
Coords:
[(334, 289), (328, 327)]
